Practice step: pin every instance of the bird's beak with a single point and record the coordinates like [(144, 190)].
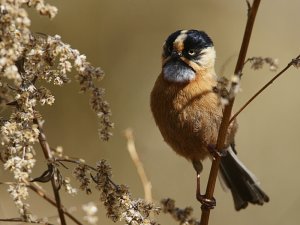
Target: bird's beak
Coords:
[(176, 54)]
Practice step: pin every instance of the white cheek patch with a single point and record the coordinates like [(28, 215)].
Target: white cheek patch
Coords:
[(176, 72), (208, 56)]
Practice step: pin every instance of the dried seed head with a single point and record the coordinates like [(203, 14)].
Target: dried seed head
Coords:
[(296, 62), (258, 63), (181, 215)]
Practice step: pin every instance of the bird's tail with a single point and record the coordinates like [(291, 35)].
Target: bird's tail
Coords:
[(242, 182)]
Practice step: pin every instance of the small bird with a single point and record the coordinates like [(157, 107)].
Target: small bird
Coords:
[(188, 113)]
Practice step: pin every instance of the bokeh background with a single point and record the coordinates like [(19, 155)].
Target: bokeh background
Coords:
[(125, 37)]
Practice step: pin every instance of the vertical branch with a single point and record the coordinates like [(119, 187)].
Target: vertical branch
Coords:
[(47, 153), (227, 111)]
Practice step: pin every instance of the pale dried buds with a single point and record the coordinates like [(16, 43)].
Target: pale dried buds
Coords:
[(116, 198), (258, 63), (222, 89), (90, 210), (296, 62)]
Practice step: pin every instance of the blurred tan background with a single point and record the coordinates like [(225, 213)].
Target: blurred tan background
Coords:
[(125, 37)]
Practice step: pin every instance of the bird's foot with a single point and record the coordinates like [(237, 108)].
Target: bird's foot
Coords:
[(215, 152), (207, 203)]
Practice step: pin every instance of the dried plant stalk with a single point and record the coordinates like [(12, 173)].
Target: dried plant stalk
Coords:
[(139, 165), (227, 111)]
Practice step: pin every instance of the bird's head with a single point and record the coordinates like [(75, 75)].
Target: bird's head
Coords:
[(187, 54)]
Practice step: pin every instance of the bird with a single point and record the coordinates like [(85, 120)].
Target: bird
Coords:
[(188, 112)]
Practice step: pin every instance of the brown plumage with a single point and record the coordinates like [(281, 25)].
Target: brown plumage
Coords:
[(188, 115), (188, 112)]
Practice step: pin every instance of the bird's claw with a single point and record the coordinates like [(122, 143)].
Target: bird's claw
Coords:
[(207, 203), (215, 152)]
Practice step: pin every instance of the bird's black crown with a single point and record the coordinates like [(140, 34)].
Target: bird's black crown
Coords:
[(194, 39), (197, 39)]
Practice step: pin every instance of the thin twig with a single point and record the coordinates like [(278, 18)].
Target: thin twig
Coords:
[(78, 162), (48, 155), (263, 88), (42, 194), (14, 220), (227, 112), (38, 190), (138, 164), (8, 183)]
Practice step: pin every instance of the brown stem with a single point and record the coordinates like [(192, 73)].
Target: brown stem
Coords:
[(47, 153), (227, 112), (52, 202), (35, 188), (14, 220), (263, 88)]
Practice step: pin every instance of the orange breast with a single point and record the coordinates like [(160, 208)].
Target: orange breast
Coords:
[(188, 115)]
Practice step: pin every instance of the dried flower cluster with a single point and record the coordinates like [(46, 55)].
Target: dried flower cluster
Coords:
[(116, 198), (183, 216), (81, 174), (66, 182), (222, 89), (296, 62), (26, 58), (258, 63), (226, 89), (53, 59)]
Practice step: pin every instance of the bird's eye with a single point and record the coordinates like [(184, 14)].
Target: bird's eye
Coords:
[(192, 52)]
